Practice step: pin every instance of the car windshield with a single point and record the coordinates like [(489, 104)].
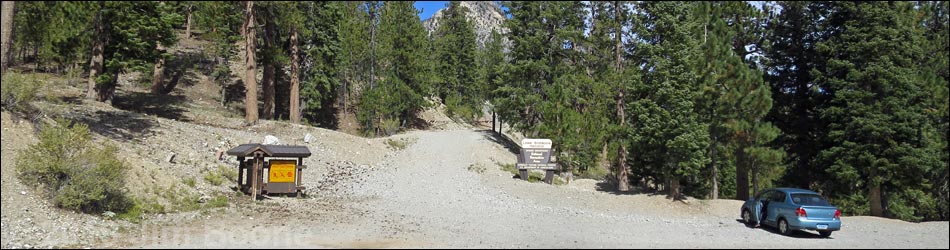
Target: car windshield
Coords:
[(809, 200)]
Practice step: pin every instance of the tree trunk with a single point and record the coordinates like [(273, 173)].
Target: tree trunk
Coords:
[(294, 78), (742, 175), (348, 76), (158, 72), (250, 72), (372, 46), (493, 119), (755, 176), (874, 195), (267, 82), (714, 193), (623, 184), (7, 36), (107, 91), (98, 49), (188, 22), (674, 189)]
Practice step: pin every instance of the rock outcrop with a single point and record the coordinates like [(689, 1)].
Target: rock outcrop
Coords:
[(485, 15)]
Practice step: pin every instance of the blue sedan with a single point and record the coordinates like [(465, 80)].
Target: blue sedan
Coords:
[(790, 209)]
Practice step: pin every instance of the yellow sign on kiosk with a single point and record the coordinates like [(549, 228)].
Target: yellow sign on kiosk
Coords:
[(282, 170)]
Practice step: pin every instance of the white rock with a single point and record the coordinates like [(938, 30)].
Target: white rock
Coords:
[(271, 140), (307, 138), (170, 158)]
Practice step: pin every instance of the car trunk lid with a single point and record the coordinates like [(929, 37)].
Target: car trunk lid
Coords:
[(819, 212)]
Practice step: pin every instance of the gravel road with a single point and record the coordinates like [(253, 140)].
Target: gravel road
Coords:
[(425, 196)]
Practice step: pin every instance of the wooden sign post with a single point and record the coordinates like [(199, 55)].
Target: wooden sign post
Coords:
[(536, 154)]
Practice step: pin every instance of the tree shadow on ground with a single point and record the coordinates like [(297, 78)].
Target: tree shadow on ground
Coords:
[(182, 69), (799, 234), (118, 125), (72, 100), (610, 187), (502, 140), (165, 106), (414, 122), (325, 117)]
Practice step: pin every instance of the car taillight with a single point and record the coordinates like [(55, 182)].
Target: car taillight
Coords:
[(837, 213), (800, 212)]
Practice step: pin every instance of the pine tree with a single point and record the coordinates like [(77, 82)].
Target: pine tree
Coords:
[(129, 34), (492, 61), (792, 37), (735, 98), (612, 84), (934, 25), (405, 73), (57, 33), (8, 11), (321, 64), (250, 64), (879, 151), (455, 57), (220, 23), (670, 141), (354, 30)]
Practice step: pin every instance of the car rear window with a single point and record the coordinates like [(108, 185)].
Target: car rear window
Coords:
[(809, 200)]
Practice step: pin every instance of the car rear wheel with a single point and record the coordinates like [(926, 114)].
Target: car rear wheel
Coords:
[(783, 227), (747, 217), (825, 234)]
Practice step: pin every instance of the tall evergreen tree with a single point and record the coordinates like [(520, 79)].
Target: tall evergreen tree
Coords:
[(491, 61), (456, 67), (792, 37), (934, 21), (612, 85), (8, 10), (735, 98), (879, 150), (320, 66), (670, 141), (405, 73), (250, 64), (550, 91), (354, 29), (57, 33), (131, 31)]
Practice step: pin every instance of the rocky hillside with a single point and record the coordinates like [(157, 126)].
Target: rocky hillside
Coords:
[(486, 15)]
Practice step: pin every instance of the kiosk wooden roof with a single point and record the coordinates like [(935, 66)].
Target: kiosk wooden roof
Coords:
[(247, 150)]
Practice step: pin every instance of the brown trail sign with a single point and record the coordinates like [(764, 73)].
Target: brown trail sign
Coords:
[(536, 154)]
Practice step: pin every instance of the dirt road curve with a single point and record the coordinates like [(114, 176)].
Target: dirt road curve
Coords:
[(425, 196)]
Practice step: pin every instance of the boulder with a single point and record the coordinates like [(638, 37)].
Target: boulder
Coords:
[(271, 140)]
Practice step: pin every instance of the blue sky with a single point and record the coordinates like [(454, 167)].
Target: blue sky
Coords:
[(429, 8)]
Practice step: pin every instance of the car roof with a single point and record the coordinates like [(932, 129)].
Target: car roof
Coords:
[(795, 190)]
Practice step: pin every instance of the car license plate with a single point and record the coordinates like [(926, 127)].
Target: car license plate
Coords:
[(822, 226)]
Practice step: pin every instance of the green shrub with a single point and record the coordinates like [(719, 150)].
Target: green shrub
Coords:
[(214, 177), (397, 144), (190, 181), (180, 199), (389, 126), (218, 201), (456, 109), (533, 176), (73, 172), (17, 91), (477, 168), (229, 173), (596, 173)]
